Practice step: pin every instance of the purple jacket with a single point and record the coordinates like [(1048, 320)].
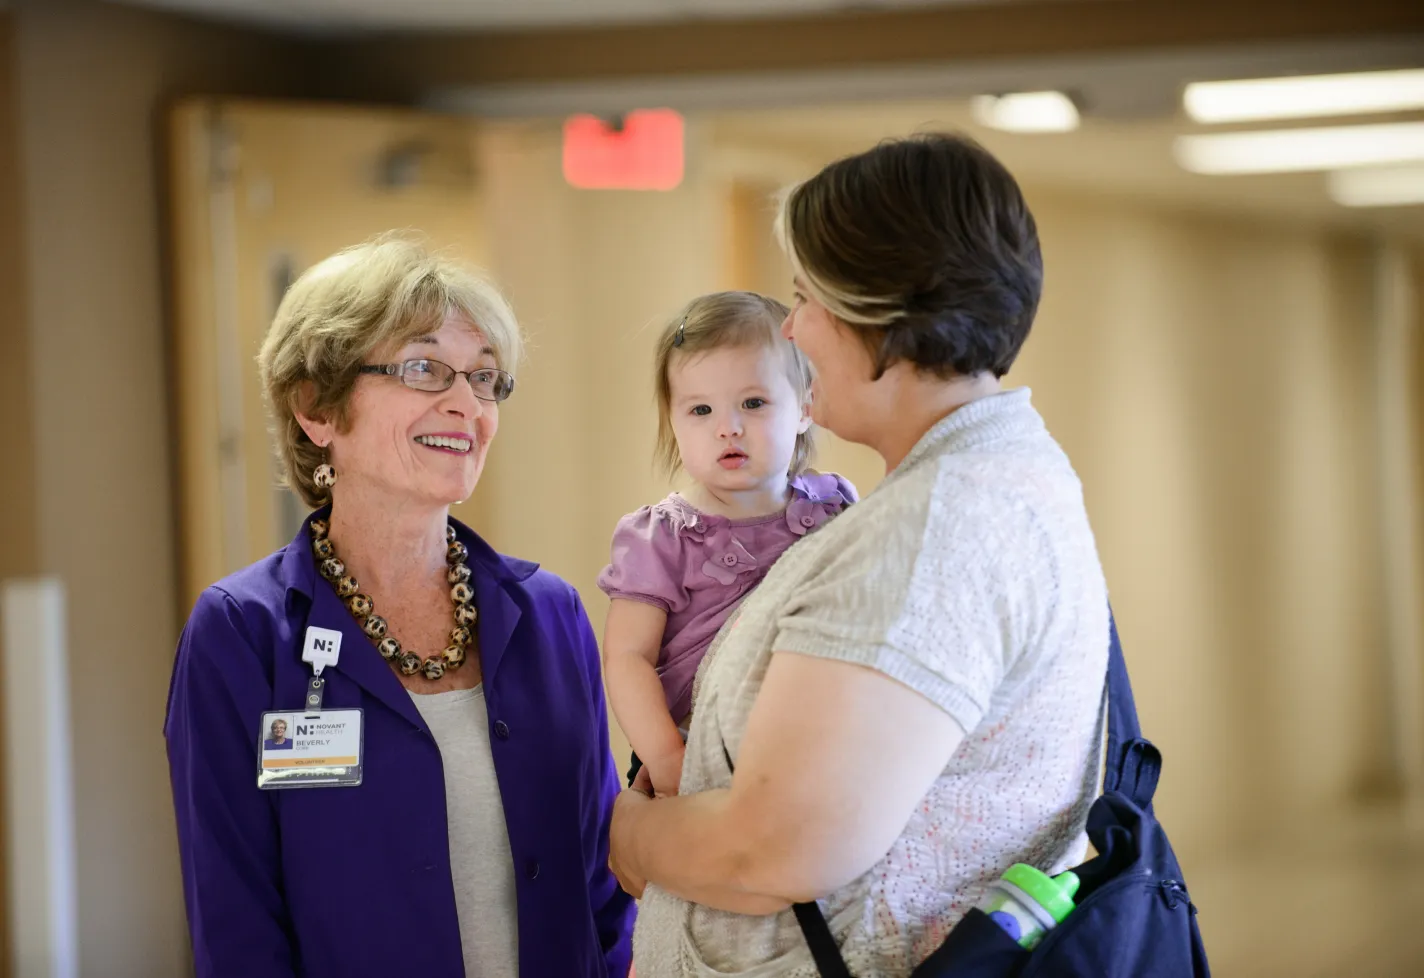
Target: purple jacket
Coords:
[(354, 882)]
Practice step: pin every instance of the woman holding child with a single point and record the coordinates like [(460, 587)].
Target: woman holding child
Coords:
[(910, 696)]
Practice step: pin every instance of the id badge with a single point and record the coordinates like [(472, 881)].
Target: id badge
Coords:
[(301, 750)]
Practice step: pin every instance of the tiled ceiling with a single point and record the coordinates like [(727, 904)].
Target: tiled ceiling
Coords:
[(344, 15)]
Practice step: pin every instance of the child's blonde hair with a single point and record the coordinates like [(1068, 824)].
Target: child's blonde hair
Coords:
[(719, 321)]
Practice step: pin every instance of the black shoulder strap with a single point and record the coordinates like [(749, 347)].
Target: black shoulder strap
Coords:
[(818, 936), (1133, 766)]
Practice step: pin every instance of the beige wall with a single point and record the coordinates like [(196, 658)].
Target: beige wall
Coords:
[(1212, 382), (91, 80)]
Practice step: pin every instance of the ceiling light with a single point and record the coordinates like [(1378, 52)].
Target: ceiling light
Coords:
[(1291, 150), (1304, 96), (1026, 112), (1394, 186)]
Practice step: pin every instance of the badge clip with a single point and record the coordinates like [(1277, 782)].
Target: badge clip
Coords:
[(321, 648), (315, 688)]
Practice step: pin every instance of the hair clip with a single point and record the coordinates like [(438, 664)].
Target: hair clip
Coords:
[(681, 333)]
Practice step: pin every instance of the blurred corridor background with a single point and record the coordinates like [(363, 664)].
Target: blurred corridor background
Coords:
[(1229, 349)]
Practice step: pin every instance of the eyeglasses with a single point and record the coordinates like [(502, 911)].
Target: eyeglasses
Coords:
[(433, 377)]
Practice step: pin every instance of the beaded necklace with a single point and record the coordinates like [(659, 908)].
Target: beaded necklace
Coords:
[(363, 608)]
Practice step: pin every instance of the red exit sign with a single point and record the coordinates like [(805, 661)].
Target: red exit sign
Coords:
[(641, 151)]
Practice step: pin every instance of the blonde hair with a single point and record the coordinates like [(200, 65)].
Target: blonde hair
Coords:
[(719, 321), (378, 295)]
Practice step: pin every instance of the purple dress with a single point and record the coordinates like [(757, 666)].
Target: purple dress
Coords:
[(698, 567)]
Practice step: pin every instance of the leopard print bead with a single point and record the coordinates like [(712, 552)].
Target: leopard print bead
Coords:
[(377, 628)]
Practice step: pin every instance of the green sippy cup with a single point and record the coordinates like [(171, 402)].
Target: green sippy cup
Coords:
[(1027, 903)]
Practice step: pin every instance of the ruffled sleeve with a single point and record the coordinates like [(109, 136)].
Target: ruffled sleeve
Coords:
[(819, 496), (647, 560)]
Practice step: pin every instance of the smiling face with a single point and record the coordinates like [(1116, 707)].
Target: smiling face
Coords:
[(279, 730), (406, 445), (735, 415)]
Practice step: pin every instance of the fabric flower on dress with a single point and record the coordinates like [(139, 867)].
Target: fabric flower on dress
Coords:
[(818, 498), (727, 559), (685, 521), (804, 515)]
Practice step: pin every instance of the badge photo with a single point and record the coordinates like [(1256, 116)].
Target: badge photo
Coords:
[(301, 750)]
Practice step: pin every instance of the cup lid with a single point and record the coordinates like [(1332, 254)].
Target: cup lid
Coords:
[(1053, 893)]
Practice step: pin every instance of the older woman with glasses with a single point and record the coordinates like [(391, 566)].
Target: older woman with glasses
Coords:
[(448, 782)]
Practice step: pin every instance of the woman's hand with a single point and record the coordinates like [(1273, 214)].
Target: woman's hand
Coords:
[(666, 772), (621, 855), (628, 812)]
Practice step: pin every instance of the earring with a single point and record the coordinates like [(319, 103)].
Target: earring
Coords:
[(324, 476)]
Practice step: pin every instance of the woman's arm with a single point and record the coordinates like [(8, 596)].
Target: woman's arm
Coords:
[(227, 828), (834, 760), (612, 908), (632, 639)]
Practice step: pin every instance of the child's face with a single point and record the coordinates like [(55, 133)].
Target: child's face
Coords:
[(736, 416)]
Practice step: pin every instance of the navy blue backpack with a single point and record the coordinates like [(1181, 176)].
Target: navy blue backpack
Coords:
[(1133, 917)]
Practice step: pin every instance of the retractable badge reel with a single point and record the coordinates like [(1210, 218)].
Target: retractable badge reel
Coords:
[(321, 648)]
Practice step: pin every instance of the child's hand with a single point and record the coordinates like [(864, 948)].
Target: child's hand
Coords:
[(666, 773)]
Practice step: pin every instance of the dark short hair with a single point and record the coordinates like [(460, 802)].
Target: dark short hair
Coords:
[(925, 247)]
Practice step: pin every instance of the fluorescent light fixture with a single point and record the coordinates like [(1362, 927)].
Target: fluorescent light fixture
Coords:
[(1026, 112), (1305, 96), (1295, 150), (1393, 186)]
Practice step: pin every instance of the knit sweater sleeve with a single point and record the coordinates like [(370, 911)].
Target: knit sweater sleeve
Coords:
[(937, 594)]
